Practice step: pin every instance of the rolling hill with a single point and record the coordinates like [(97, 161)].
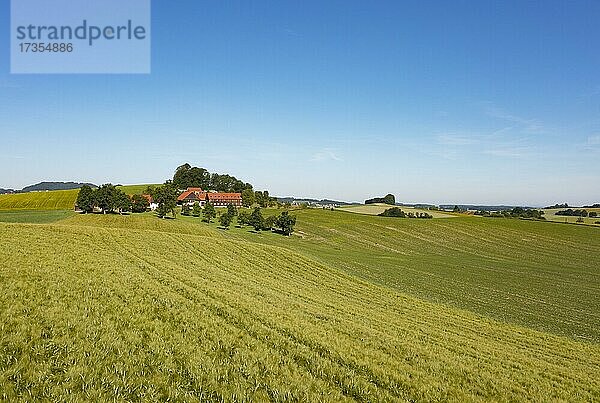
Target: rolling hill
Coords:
[(100, 313), (378, 208), (51, 200), (352, 307)]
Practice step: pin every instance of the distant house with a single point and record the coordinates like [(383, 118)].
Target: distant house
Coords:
[(223, 199), (153, 205), (191, 196), (218, 199)]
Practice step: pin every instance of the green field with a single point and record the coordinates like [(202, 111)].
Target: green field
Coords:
[(351, 307), (34, 216), (53, 200), (378, 208), (134, 189), (537, 274), (107, 313), (550, 215)]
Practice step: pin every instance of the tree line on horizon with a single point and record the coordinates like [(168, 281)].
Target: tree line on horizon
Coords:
[(398, 213), (387, 199), (282, 223), (576, 213), (517, 212), (187, 176)]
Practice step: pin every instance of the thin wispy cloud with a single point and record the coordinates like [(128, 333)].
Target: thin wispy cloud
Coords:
[(326, 154), (499, 143), (594, 140), (509, 152), (291, 32), (591, 144), (456, 139), (525, 124), (14, 157)]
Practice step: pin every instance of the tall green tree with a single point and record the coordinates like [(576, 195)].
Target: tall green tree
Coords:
[(186, 210), (248, 198), (187, 176), (105, 198), (243, 218), (389, 199), (209, 212), (270, 222), (122, 201), (85, 199), (139, 203), (286, 222), (231, 210), (225, 220), (196, 210), (256, 219), (166, 198)]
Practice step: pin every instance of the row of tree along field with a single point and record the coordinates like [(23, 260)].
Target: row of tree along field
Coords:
[(517, 212), (577, 213), (398, 213), (282, 223)]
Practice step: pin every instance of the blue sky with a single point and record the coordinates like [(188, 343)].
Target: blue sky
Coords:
[(471, 102)]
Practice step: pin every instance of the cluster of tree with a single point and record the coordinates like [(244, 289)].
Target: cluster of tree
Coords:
[(283, 223), (564, 205), (596, 205), (165, 196), (517, 212), (250, 197), (388, 199), (106, 198), (576, 213), (397, 212), (187, 176)]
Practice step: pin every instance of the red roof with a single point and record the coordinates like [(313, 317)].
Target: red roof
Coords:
[(198, 194), (195, 193), (224, 196), (185, 194), (148, 197)]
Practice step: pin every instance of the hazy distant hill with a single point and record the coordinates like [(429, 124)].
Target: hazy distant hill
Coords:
[(5, 191), (55, 186), (316, 201), (480, 207)]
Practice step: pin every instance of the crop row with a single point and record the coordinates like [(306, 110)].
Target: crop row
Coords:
[(113, 313)]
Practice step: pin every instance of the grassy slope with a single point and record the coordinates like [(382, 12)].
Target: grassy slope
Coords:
[(97, 313), (134, 189), (378, 208), (146, 221), (34, 216), (542, 275), (54, 200), (550, 214)]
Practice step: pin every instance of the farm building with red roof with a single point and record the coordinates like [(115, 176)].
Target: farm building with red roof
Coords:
[(218, 199)]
